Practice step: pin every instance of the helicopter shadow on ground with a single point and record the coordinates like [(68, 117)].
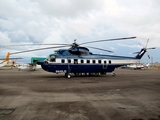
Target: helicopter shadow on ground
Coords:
[(80, 79), (73, 76)]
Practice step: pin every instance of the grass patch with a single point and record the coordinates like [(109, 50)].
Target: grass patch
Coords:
[(4, 112)]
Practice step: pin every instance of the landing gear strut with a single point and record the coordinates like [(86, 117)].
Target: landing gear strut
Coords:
[(113, 74)]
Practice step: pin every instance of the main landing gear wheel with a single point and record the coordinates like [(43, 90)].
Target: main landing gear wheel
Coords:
[(68, 75)]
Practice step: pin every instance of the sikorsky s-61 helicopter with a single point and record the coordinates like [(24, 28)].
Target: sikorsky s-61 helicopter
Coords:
[(79, 60)]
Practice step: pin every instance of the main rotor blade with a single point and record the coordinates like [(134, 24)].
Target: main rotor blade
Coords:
[(10, 58), (36, 44), (100, 49), (37, 49), (108, 40)]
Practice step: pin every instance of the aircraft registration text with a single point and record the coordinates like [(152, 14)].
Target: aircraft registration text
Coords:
[(61, 71)]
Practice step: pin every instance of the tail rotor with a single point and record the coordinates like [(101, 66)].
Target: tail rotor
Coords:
[(143, 50)]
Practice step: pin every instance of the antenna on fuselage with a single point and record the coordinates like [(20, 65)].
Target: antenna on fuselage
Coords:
[(75, 41), (74, 44)]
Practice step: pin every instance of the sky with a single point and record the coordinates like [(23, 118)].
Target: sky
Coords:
[(63, 21)]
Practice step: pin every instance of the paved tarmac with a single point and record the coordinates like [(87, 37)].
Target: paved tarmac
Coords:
[(39, 95)]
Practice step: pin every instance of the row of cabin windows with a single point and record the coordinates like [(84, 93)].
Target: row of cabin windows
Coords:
[(82, 61)]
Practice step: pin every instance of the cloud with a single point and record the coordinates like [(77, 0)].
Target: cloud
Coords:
[(139, 18), (4, 38), (130, 46), (68, 9)]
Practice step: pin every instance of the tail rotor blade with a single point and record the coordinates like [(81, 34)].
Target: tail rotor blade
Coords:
[(152, 48), (147, 43), (148, 55), (140, 44)]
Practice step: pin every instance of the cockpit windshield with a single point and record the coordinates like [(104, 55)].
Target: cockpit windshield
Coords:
[(52, 58)]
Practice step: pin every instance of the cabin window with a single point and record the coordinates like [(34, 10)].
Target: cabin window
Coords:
[(99, 61), (88, 61), (105, 62), (109, 61), (93, 61), (75, 61), (82, 61), (69, 60), (62, 61), (52, 59)]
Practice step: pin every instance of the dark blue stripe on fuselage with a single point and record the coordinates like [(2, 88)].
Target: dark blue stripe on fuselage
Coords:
[(78, 68)]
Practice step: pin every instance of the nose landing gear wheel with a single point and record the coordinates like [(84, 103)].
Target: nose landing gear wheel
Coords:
[(113, 74)]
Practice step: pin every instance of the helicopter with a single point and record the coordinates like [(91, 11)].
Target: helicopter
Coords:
[(79, 60)]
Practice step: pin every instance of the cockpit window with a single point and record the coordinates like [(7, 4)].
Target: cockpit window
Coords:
[(52, 58)]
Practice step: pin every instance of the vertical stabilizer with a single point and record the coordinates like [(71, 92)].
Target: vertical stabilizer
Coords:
[(7, 57), (141, 53)]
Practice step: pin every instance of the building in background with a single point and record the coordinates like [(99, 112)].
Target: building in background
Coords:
[(35, 59)]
